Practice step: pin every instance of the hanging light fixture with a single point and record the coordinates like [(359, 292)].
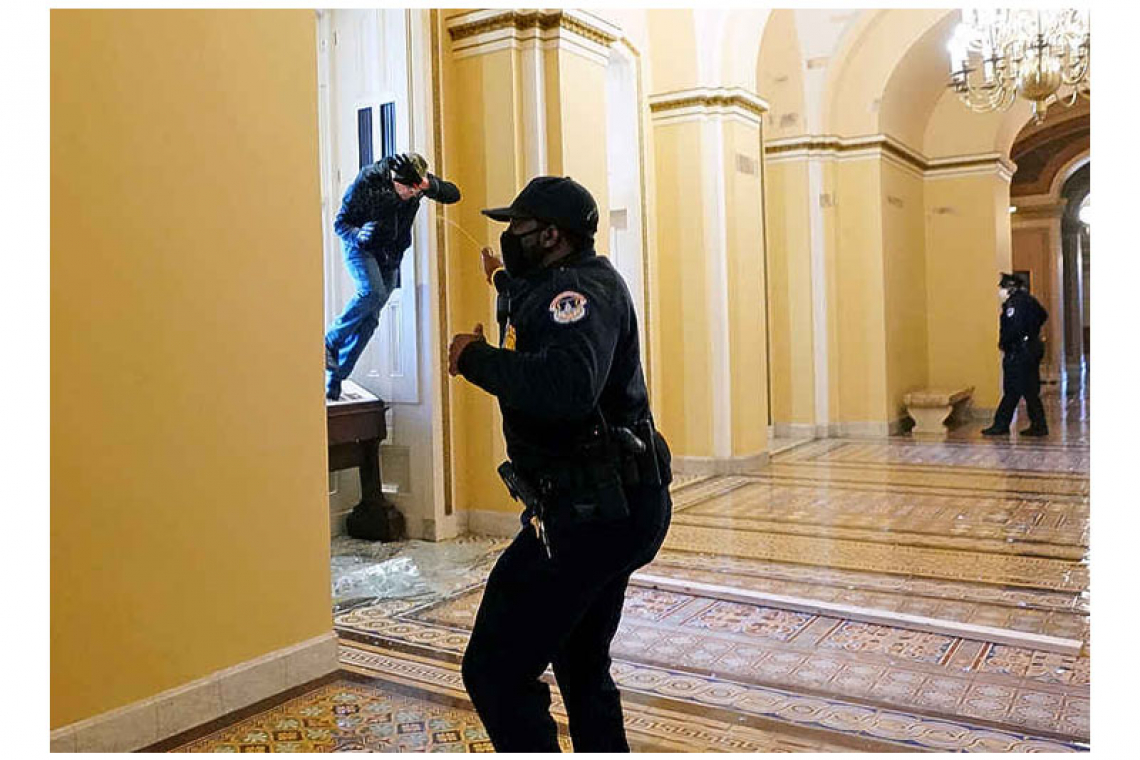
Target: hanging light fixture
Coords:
[(997, 54)]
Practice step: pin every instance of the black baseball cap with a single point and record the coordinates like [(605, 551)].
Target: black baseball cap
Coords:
[(1009, 280), (556, 200)]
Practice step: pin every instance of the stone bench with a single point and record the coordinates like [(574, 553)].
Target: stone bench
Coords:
[(931, 408)]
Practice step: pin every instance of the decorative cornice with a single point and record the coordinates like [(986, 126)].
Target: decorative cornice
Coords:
[(839, 148), (708, 101), (1050, 212), (582, 24)]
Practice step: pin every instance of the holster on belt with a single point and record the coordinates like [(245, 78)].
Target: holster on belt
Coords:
[(644, 455), (592, 486)]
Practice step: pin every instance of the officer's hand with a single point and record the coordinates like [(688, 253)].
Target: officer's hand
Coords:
[(458, 343), (491, 262), (365, 235)]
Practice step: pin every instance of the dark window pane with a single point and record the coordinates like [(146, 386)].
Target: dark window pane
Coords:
[(388, 128), (364, 135)]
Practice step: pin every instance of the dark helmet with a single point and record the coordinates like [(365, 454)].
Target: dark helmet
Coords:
[(1011, 281)]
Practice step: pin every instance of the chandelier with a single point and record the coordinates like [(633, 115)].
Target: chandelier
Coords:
[(1041, 55)]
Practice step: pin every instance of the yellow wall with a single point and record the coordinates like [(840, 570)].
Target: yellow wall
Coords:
[(919, 78), (1036, 248), (861, 69), (904, 270), (483, 156), (967, 244), (578, 136), (673, 52), (860, 366), (487, 138), (747, 316), (685, 416), (786, 199), (780, 78), (189, 517)]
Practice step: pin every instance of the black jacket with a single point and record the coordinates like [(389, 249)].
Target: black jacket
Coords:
[(371, 198), (576, 351), (1021, 319)]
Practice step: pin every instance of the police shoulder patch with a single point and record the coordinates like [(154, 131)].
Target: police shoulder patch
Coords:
[(568, 307), (1009, 312)]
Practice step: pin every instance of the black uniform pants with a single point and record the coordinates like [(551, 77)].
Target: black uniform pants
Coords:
[(565, 612), (1021, 377)]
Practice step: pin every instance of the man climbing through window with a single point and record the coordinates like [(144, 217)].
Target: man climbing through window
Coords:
[(375, 225)]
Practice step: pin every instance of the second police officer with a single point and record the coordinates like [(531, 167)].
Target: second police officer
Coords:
[(1022, 350), (585, 459)]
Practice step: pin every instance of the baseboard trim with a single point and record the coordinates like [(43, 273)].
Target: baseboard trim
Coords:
[(489, 523), (795, 430), (870, 429), (744, 465), (176, 710)]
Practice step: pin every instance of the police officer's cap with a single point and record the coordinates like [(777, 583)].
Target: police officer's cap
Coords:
[(556, 200), (1011, 281)]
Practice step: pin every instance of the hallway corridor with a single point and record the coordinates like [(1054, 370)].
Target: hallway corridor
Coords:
[(878, 595)]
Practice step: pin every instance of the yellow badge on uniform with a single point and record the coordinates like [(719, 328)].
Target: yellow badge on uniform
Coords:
[(568, 307), (509, 338)]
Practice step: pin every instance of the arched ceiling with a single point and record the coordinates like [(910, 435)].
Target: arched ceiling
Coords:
[(917, 84), (849, 73), (780, 76), (741, 28), (1042, 151), (867, 58), (891, 77)]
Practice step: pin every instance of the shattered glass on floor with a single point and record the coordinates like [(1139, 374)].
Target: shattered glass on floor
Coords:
[(400, 574)]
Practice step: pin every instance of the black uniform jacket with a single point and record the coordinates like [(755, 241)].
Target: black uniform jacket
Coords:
[(371, 198), (575, 352), (1021, 320)]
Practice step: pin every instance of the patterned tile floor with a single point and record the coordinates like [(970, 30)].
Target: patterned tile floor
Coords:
[(967, 532)]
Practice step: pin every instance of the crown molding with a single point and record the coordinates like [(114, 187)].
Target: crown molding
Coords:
[(485, 31), (886, 147), (705, 102)]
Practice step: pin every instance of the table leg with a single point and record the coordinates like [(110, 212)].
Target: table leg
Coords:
[(374, 518)]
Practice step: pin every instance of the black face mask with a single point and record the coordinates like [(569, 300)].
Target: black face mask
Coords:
[(518, 259)]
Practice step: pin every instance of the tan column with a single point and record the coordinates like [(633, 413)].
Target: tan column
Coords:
[(968, 245), (711, 312), (1071, 241), (524, 95), (792, 231), (1037, 249)]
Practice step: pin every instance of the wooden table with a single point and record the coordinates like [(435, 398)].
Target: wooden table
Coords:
[(355, 429)]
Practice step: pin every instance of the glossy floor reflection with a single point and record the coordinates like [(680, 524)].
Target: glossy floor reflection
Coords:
[(876, 595)]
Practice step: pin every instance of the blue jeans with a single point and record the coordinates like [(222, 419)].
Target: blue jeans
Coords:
[(354, 327)]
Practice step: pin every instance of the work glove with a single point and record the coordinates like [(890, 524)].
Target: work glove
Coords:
[(364, 236), (404, 172)]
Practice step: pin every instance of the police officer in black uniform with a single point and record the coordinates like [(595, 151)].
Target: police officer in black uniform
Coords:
[(585, 460), (1022, 350)]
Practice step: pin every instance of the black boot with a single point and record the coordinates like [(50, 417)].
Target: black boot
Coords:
[(1033, 431), (995, 430)]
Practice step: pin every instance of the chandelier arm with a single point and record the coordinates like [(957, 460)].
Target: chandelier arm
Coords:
[(989, 98), (1077, 73)]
